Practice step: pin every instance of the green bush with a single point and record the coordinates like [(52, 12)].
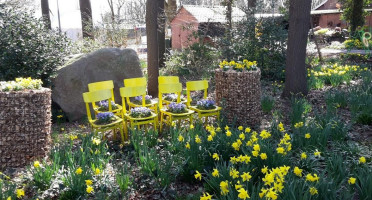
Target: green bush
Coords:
[(264, 41), (27, 48), (194, 62), (353, 44)]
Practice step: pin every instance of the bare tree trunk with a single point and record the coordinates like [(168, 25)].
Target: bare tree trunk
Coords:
[(316, 41), (171, 9), (152, 7), (45, 13), (228, 4), (161, 34), (295, 74), (86, 18)]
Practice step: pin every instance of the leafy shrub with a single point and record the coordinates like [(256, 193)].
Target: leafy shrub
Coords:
[(262, 40), (267, 103), (194, 62), (300, 108), (27, 48), (336, 99)]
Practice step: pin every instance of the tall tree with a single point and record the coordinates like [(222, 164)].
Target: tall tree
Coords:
[(152, 12), (86, 18), (161, 32), (45, 13), (295, 73), (354, 13)]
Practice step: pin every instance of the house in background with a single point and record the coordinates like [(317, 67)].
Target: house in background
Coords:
[(327, 14), (192, 19)]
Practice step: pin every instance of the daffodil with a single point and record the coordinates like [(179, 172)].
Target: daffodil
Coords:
[(317, 153), (187, 145), (197, 139), (313, 191), (198, 175), (191, 127), (351, 180), (215, 173), (206, 196), (297, 171), (89, 189), (228, 133), (20, 193), (264, 170), (224, 186), (312, 178), (307, 136), (240, 128), (88, 182), (181, 138), (362, 160), (210, 138), (216, 156), (246, 176), (79, 171), (263, 156), (96, 141), (247, 130), (97, 171), (243, 194), (37, 164), (303, 155)]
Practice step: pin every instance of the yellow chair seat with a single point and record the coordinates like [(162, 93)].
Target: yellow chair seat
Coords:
[(205, 111), (152, 104), (153, 115), (118, 110), (177, 114), (114, 123)]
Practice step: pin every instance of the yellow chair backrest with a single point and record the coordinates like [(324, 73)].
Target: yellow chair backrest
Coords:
[(98, 95), (102, 85), (134, 82), (168, 79), (126, 92), (195, 86), (169, 88)]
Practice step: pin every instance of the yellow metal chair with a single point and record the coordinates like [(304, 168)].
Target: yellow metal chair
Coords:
[(198, 86), (104, 85), (169, 80), (166, 116), (100, 95), (125, 93), (136, 82)]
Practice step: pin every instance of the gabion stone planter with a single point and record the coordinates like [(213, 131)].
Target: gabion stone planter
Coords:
[(239, 93), (25, 126)]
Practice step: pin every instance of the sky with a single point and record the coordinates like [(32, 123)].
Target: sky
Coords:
[(70, 13)]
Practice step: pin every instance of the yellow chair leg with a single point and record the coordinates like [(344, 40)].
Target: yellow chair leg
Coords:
[(122, 136), (155, 122), (125, 130), (114, 132), (161, 122)]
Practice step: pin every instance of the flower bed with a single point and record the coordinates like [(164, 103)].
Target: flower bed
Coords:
[(25, 122), (239, 94)]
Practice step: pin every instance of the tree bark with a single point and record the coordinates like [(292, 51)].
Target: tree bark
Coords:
[(295, 74), (357, 18), (152, 7), (161, 32), (45, 13), (86, 18)]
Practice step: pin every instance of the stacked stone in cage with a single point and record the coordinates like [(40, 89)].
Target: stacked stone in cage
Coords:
[(25, 126), (239, 93)]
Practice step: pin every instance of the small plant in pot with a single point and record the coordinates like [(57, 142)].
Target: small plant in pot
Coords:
[(205, 104), (104, 106), (140, 112), (173, 97), (105, 118), (138, 100), (177, 108)]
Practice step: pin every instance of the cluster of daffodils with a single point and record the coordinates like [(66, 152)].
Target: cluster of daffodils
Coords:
[(239, 65), (273, 182), (284, 145), (336, 69), (21, 84)]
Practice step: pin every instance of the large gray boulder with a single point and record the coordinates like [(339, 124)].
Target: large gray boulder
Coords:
[(105, 64)]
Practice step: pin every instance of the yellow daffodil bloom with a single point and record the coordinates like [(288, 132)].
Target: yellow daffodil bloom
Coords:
[(362, 160), (37, 164), (88, 182), (240, 128), (303, 155), (351, 180), (20, 193), (187, 145), (180, 138), (197, 139), (297, 171), (97, 171), (243, 194), (198, 175), (206, 196), (312, 178), (228, 133), (263, 156), (79, 171), (317, 153), (246, 176), (247, 130), (307, 136), (89, 189), (216, 156), (215, 173), (224, 186), (313, 191)]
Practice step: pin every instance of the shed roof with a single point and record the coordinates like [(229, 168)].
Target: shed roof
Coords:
[(213, 14), (332, 11)]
